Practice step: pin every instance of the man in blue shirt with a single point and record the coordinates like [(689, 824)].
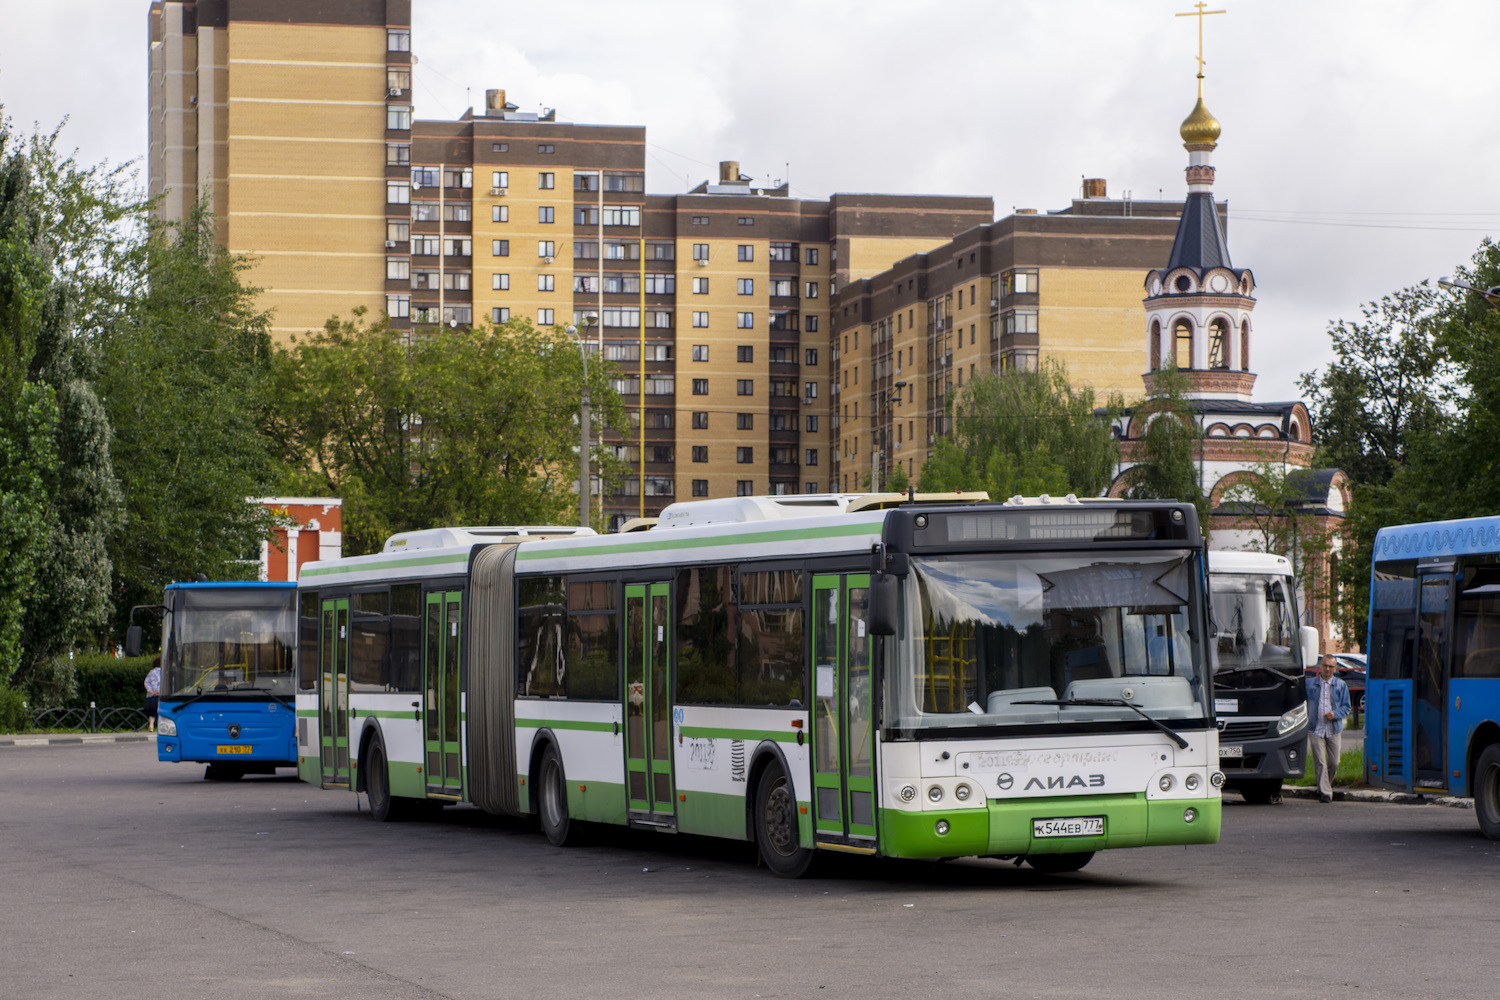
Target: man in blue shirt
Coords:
[(1327, 708)]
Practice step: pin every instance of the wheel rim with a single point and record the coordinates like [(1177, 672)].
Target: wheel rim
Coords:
[(777, 818), (377, 777), (1487, 793), (551, 795)]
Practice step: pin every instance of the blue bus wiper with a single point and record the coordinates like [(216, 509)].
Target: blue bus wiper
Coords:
[(1112, 703)]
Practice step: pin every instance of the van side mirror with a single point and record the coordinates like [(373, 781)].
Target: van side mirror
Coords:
[(133, 641), (1309, 637)]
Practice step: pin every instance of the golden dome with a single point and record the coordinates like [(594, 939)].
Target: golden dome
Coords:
[(1200, 126)]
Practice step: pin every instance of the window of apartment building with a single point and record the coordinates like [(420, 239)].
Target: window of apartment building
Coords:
[(456, 281), (661, 284), (1021, 360), (745, 286), (746, 220), (783, 388), (546, 214), (744, 387), (1018, 321), (661, 385), (622, 284), (397, 81), (782, 287), (499, 213), (397, 268), (744, 488), (585, 250), (700, 387), (783, 355), (546, 147), (657, 420), (700, 220), (700, 420), (500, 180), (811, 290), (586, 284), (661, 251), (397, 230), (458, 246), (812, 425), (500, 282), (546, 248), (585, 182), (810, 357), (544, 317), (744, 455), (626, 387), (700, 453), (809, 391), (546, 180), (700, 319), (397, 154), (700, 487), (783, 422), (622, 215), (584, 216), (618, 180), (784, 253), (700, 286), (659, 319), (615, 250), (397, 193), (783, 456), (499, 248), (810, 324), (810, 487), (457, 211), (398, 40), (810, 256), (1019, 281), (744, 421), (744, 321), (546, 282), (423, 245), (746, 252), (700, 351), (500, 314), (744, 354), (700, 251), (398, 306), (622, 352), (500, 147), (622, 316)]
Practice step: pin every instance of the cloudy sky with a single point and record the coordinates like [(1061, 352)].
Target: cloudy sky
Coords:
[(1358, 153)]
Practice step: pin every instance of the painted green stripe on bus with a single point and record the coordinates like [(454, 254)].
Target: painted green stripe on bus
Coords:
[(711, 733), (460, 560), (787, 535), (591, 727)]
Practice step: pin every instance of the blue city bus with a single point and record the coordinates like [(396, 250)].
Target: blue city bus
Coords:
[(1433, 695), (227, 677)]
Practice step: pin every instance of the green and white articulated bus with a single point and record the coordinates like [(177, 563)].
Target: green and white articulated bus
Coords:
[(1022, 680)]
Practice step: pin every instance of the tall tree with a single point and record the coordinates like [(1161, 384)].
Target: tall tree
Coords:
[(1027, 433), (469, 427), (1165, 457)]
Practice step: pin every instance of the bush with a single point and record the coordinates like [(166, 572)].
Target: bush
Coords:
[(15, 716), (109, 682)]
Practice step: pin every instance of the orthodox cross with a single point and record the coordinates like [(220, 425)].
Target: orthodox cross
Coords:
[(1200, 14)]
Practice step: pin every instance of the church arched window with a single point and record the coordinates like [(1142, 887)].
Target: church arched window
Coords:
[(1154, 361), (1245, 346), (1182, 343), (1218, 344)]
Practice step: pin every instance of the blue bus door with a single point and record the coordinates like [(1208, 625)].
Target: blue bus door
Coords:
[(1430, 680), (333, 693)]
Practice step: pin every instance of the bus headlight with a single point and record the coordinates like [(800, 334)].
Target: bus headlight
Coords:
[(908, 792), (934, 793), (165, 726), (1166, 782), (1291, 720), (961, 793), (1191, 782)]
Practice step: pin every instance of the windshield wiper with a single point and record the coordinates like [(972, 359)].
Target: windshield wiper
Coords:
[(1111, 703), (1256, 666)]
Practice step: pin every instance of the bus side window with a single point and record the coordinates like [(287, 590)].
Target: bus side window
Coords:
[(307, 640)]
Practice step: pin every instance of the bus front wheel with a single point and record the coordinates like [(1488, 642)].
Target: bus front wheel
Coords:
[(1487, 792), (776, 825), (223, 772), (552, 801), (1261, 791), (383, 805), (1059, 864)]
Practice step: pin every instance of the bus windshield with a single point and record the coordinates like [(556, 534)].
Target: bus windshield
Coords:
[(233, 641), (1257, 624), (994, 635)]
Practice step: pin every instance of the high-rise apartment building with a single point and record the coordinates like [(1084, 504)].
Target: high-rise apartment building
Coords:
[(725, 309)]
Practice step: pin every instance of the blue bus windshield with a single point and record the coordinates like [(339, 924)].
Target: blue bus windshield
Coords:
[(234, 641)]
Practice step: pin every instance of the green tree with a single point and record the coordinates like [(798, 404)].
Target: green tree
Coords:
[(468, 427), (186, 373), (1027, 433), (1165, 457), (1281, 506)]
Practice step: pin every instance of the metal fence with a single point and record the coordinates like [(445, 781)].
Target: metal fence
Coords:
[(90, 720)]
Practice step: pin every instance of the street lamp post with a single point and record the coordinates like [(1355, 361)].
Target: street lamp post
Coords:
[(1490, 295), (584, 428), (881, 440)]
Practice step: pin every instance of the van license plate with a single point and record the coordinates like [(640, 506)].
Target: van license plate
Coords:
[(233, 749), (1231, 750), (1071, 826)]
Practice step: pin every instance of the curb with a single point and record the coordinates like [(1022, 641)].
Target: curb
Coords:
[(75, 739), (1374, 795)]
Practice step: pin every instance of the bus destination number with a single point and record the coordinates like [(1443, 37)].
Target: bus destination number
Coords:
[(233, 749), (1072, 826), (700, 754)]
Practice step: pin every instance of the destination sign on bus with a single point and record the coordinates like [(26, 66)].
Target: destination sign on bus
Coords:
[(1093, 524)]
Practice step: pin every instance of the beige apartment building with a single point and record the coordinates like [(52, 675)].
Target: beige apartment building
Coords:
[(741, 319)]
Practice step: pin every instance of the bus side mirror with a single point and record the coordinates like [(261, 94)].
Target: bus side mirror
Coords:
[(1309, 637), (133, 641), (883, 604)]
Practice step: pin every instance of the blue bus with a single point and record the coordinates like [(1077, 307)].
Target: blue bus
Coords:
[(1433, 695), (227, 677)]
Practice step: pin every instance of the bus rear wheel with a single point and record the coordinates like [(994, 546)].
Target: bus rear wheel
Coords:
[(776, 825), (1261, 791), (552, 800), (1059, 864), (1487, 792), (383, 805)]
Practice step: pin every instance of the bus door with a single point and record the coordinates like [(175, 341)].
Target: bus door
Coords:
[(1430, 680), (648, 704), (440, 709), (843, 730), (333, 692)]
